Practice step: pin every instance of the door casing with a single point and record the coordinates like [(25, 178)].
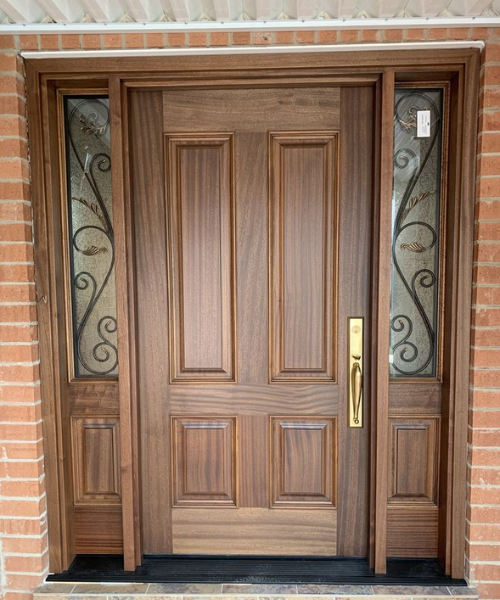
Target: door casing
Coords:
[(46, 78)]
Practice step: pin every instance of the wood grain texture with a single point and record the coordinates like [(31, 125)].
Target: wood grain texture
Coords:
[(250, 112), (235, 67), (204, 462), (252, 273), (44, 190), (98, 530), (255, 531), (412, 531), (460, 235), (199, 181), (374, 290), (147, 178), (94, 397), (257, 399), (303, 243), (254, 479), (413, 459), (414, 408), (96, 460), (381, 306), (125, 284), (303, 462), (422, 398), (190, 115), (357, 122)]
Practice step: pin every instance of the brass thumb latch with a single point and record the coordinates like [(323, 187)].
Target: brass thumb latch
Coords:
[(355, 372)]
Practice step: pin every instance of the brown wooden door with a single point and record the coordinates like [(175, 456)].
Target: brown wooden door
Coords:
[(253, 211)]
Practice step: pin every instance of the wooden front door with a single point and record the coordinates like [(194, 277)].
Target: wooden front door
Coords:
[(253, 215)]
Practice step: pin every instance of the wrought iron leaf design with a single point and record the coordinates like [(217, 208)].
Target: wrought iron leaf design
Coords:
[(90, 124), (91, 206), (416, 163), (92, 237), (93, 250), (409, 122), (413, 202), (414, 247)]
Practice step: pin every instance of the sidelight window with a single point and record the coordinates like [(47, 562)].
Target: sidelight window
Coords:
[(417, 217), (90, 236)]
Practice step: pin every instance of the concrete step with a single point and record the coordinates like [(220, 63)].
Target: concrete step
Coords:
[(213, 591)]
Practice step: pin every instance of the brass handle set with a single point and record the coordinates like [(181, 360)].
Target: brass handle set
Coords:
[(355, 372)]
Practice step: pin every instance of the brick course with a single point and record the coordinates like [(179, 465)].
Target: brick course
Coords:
[(23, 527)]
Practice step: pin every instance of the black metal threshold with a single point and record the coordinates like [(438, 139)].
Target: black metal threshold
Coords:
[(255, 569)]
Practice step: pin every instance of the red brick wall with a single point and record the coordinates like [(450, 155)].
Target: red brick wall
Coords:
[(23, 540), (483, 527), (23, 523)]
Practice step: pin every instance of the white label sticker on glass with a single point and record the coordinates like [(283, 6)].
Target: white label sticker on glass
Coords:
[(423, 123)]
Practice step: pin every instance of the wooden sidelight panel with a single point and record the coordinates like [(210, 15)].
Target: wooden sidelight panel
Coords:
[(96, 472), (90, 312), (204, 461), (303, 462), (412, 512), (414, 459), (98, 530), (96, 481), (96, 459), (200, 197), (417, 397), (412, 532), (303, 241)]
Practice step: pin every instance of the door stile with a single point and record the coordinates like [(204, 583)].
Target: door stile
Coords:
[(462, 322), (125, 293), (50, 314), (356, 233), (380, 320)]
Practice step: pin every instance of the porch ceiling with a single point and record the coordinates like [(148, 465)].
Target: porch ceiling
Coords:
[(240, 11)]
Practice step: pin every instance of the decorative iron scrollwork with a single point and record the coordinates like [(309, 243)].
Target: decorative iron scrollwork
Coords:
[(415, 235), (92, 237)]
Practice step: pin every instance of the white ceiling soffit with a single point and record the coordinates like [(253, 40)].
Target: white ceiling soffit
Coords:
[(18, 16)]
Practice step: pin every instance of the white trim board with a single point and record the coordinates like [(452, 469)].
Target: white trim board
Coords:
[(284, 25), (254, 50)]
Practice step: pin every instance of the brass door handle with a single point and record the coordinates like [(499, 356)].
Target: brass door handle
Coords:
[(357, 386), (355, 372)]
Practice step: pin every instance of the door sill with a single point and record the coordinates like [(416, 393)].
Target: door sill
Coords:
[(180, 570)]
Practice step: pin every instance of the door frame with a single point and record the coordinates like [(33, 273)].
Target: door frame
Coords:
[(383, 69)]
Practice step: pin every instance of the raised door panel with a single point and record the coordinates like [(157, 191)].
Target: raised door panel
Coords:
[(303, 462), (412, 513), (204, 461), (201, 282), (96, 465), (303, 190), (414, 459)]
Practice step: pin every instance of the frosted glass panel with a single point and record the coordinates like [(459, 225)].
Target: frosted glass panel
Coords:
[(416, 232), (91, 236)]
